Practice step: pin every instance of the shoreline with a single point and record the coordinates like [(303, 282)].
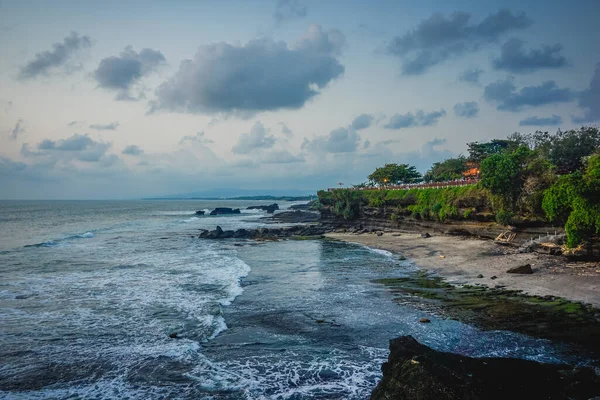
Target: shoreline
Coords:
[(461, 260)]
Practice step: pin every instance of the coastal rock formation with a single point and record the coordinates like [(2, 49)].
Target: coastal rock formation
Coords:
[(297, 216), (200, 212), (415, 371), (270, 209), (266, 233), (225, 210), (306, 206)]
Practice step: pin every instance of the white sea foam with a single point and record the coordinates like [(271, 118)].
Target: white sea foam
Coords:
[(381, 251)]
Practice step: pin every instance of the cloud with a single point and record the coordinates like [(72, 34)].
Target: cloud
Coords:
[(469, 109), (262, 75), (340, 140), (257, 139), (420, 118), (121, 73), (471, 76), (508, 98), (197, 138), (8, 106), (286, 10), (439, 38), (76, 147), (133, 150), (363, 121), (515, 59), (17, 130), (282, 157), (589, 100), (60, 55), (285, 130), (105, 127), (541, 121)]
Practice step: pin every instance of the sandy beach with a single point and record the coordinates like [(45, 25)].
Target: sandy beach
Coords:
[(462, 260)]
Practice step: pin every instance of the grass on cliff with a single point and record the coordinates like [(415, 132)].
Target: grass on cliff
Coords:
[(427, 204)]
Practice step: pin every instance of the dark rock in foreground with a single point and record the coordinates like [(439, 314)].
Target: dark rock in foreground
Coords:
[(297, 216), (521, 269), (414, 371), (225, 210), (200, 212), (297, 231), (270, 209)]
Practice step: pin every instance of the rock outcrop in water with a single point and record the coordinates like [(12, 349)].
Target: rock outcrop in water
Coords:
[(270, 209), (297, 231), (415, 371), (225, 210)]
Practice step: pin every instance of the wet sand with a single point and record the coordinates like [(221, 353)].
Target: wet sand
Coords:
[(462, 260)]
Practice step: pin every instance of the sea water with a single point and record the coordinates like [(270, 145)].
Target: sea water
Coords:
[(91, 290)]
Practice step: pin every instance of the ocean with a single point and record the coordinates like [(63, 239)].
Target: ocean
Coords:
[(91, 290)]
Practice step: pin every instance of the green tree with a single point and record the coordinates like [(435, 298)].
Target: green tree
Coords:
[(502, 175), (480, 151), (451, 168), (569, 148), (395, 174), (573, 199)]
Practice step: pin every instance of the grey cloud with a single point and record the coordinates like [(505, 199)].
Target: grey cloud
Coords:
[(105, 127), (199, 137), (589, 100), (508, 98), (257, 139), (439, 38), (286, 10), (340, 140), (73, 123), (285, 130), (74, 143), (261, 75), (60, 55), (80, 147), (541, 121), (471, 76), (282, 157), (363, 121), (366, 144), (420, 118), (121, 72), (514, 58), (133, 150), (468, 109), (17, 130), (8, 106)]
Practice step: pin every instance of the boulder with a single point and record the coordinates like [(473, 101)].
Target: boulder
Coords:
[(224, 211), (200, 212), (379, 233), (425, 320), (425, 235), (521, 269), (415, 371)]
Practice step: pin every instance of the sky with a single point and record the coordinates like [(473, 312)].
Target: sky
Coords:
[(131, 99)]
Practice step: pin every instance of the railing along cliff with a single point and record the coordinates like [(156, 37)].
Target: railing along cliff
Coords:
[(428, 185)]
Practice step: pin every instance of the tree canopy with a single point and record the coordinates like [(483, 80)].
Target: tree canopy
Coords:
[(449, 169), (395, 174)]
